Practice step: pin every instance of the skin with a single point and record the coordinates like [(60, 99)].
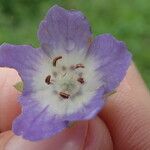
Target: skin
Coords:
[(123, 124)]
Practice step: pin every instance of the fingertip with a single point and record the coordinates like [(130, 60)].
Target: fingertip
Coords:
[(127, 113), (98, 136), (85, 135), (4, 138), (9, 107)]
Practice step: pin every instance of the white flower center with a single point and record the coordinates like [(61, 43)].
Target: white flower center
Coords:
[(68, 81)]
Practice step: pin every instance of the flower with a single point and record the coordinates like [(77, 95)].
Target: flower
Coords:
[(65, 80)]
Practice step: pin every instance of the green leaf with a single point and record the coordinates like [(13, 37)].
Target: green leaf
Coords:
[(19, 86)]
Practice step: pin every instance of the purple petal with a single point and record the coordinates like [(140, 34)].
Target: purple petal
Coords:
[(114, 59), (64, 29), (91, 109), (23, 58), (36, 123)]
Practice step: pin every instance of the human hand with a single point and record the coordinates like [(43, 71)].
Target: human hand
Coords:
[(123, 124)]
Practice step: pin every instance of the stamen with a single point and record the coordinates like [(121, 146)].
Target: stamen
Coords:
[(64, 95), (56, 59), (79, 66), (81, 80), (48, 79)]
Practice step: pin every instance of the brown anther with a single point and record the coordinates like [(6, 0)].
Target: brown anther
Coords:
[(48, 79), (64, 95), (81, 80), (56, 59), (79, 66)]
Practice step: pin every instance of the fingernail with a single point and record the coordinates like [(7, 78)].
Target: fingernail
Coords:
[(69, 139)]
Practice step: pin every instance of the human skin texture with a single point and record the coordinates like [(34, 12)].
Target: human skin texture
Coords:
[(123, 124)]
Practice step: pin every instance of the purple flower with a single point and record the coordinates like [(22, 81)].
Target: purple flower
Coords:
[(67, 77)]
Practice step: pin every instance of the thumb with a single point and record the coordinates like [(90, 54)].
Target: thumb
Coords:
[(9, 107), (87, 135)]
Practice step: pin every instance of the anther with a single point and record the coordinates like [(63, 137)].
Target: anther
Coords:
[(79, 66), (64, 95), (48, 79), (81, 80), (56, 59)]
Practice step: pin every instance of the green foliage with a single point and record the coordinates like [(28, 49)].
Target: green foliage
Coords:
[(127, 20)]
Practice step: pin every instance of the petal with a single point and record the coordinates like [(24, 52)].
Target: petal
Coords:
[(114, 59), (23, 58), (91, 109), (36, 123), (64, 29)]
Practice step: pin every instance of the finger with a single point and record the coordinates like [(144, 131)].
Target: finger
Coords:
[(98, 136), (9, 108), (127, 114), (92, 135), (4, 138)]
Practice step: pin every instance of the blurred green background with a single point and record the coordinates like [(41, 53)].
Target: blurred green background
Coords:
[(128, 20)]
